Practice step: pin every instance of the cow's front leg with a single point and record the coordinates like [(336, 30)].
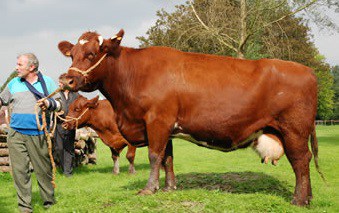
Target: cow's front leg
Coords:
[(115, 157), (130, 155), (157, 135)]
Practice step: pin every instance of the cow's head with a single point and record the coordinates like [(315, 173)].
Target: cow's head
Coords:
[(79, 112), (89, 59)]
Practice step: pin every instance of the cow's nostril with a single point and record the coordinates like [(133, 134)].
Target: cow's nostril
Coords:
[(71, 82)]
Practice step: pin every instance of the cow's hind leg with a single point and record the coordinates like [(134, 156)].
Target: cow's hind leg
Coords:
[(298, 154), (168, 165)]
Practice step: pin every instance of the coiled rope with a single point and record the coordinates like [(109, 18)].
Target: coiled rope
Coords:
[(47, 134)]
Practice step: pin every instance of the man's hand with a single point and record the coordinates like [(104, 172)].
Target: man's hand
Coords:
[(43, 104)]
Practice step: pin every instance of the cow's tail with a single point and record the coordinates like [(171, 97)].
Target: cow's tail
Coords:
[(314, 146)]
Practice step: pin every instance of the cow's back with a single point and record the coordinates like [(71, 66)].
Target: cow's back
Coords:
[(205, 75)]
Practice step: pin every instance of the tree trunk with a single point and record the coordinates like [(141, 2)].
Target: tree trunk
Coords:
[(243, 31)]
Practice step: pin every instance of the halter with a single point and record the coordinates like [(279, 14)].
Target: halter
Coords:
[(85, 73), (70, 118)]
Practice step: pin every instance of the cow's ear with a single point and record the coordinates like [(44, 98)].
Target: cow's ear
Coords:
[(118, 37), (65, 48), (112, 45), (93, 103)]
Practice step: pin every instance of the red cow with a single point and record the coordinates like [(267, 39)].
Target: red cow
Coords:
[(217, 102), (100, 116)]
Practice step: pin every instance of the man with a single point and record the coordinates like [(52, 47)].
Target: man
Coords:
[(64, 139), (26, 142)]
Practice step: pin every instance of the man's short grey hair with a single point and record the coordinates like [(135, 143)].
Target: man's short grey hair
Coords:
[(32, 60)]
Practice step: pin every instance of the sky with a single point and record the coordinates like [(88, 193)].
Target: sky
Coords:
[(39, 25)]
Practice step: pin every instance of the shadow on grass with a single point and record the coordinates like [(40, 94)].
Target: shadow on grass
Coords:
[(230, 182), (108, 169)]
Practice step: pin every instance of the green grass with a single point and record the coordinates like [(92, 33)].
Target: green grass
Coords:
[(207, 180)]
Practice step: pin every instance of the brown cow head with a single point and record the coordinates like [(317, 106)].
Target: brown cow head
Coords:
[(79, 112), (89, 60)]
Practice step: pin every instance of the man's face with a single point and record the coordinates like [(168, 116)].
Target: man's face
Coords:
[(22, 67)]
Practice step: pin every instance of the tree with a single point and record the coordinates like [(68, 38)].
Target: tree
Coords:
[(181, 31), (335, 73), (229, 26), (252, 17), (325, 89), (317, 13)]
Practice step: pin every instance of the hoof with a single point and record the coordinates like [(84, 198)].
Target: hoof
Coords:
[(300, 202), (132, 172), (146, 192), (169, 188)]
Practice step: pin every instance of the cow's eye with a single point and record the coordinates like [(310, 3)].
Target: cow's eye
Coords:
[(91, 56), (77, 109)]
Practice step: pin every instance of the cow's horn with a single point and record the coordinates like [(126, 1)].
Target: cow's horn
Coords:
[(101, 40)]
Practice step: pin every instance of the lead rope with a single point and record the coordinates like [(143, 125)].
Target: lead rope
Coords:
[(49, 142), (48, 136)]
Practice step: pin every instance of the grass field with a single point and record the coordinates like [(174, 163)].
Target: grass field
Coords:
[(207, 180)]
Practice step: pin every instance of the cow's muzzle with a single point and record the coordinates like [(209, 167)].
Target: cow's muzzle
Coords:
[(70, 83)]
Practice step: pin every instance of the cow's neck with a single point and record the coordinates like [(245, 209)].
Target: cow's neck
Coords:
[(117, 83)]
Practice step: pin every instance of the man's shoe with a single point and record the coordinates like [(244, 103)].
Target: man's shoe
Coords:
[(48, 204), (68, 175)]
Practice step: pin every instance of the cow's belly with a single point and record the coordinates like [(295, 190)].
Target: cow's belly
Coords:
[(225, 145)]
